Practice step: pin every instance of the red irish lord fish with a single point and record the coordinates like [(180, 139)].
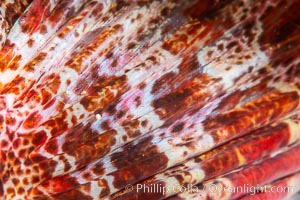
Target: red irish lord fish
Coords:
[(149, 99)]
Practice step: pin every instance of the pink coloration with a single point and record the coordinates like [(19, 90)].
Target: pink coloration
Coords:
[(96, 95)]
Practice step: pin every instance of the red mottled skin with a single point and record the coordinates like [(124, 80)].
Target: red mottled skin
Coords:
[(96, 95), (281, 189)]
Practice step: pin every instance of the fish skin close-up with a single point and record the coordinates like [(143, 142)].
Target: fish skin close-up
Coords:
[(149, 99)]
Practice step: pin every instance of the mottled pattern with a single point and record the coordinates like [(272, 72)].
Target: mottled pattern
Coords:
[(99, 94)]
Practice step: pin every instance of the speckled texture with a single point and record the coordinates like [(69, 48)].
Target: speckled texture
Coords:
[(99, 94)]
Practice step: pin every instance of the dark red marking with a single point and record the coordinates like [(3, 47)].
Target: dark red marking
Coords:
[(32, 120), (39, 138), (137, 162)]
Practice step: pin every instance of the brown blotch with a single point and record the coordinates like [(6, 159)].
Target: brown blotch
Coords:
[(46, 96), (35, 179), (13, 86), (121, 4), (111, 109), (43, 29), (228, 68), (49, 104), (206, 9), (36, 158), (142, 2), (248, 30), (47, 167), (39, 138), (287, 18), (17, 143), (174, 46), (114, 63), (131, 45), (105, 125), (95, 101), (179, 178), (144, 123), (178, 127), (27, 162), (97, 11), (87, 176), (189, 64), (163, 82), (251, 115), (172, 102), (25, 142), (30, 66), (87, 148), (14, 10), (109, 54), (22, 153), (4, 143), (67, 165), (30, 42), (98, 169), (137, 101), (131, 128), (137, 161), (57, 124), (120, 114), (165, 12), (58, 12), (78, 57), (10, 191), (52, 147), (15, 181), (21, 190), (53, 82), (11, 155), (220, 47), (103, 184), (231, 44), (142, 85), (238, 49)]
